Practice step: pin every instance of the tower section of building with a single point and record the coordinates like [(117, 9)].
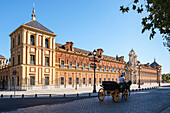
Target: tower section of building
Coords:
[(33, 54)]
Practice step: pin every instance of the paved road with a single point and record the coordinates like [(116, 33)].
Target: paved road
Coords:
[(147, 101)]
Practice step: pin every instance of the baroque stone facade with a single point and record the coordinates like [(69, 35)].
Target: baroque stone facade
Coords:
[(39, 61)]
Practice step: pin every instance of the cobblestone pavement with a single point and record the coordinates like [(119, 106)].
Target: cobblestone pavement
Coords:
[(147, 101)]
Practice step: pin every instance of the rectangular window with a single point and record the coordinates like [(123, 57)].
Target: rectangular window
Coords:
[(77, 80), (46, 80), (77, 66), (104, 79), (46, 43), (70, 80), (112, 79), (18, 39), (116, 70), (90, 67), (17, 81), (84, 66), (108, 79), (32, 59), (100, 80), (32, 80), (100, 68), (13, 61), (46, 61), (32, 40), (62, 64), (13, 43), (84, 80), (104, 68), (18, 59), (13, 81), (112, 69), (70, 65), (108, 69), (62, 80), (89, 80), (116, 79)]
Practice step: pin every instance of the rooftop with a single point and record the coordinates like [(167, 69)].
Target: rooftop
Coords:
[(37, 25)]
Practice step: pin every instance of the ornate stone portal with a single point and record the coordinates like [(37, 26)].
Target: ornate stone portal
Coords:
[(133, 65)]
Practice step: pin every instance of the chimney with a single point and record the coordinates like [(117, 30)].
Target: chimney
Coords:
[(100, 51), (147, 64), (121, 58), (69, 46)]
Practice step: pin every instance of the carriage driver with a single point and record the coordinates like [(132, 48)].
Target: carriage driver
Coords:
[(121, 79), (122, 82)]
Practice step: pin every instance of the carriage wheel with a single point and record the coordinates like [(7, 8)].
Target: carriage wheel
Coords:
[(116, 95), (126, 94), (101, 94)]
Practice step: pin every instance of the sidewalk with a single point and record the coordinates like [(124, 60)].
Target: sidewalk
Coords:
[(59, 92)]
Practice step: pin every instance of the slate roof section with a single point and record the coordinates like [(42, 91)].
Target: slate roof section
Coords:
[(1, 56), (77, 50), (37, 25), (153, 64)]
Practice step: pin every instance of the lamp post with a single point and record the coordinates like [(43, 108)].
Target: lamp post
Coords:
[(158, 76), (95, 58), (139, 66)]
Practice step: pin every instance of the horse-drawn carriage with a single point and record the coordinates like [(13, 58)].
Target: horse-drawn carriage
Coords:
[(111, 88)]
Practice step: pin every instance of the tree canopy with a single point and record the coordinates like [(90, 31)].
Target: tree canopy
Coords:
[(158, 17)]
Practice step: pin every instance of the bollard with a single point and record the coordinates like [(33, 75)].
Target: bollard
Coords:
[(35, 95), (10, 96), (89, 94), (1, 95), (49, 95), (22, 95), (77, 95), (64, 95)]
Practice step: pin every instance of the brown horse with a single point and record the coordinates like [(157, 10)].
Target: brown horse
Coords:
[(128, 84)]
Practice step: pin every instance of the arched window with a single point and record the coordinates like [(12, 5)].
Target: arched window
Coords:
[(32, 40), (46, 43)]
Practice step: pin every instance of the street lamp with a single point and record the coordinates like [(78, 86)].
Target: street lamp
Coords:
[(139, 66), (95, 58), (158, 76)]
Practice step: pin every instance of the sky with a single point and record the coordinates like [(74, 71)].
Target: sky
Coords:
[(89, 24)]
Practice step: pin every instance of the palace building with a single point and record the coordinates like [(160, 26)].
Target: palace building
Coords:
[(41, 62)]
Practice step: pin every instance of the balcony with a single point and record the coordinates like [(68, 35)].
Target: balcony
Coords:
[(32, 62), (84, 68), (62, 66), (46, 64), (90, 68), (70, 67), (77, 67), (100, 69)]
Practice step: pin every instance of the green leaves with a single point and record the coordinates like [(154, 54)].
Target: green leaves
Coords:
[(134, 7), (158, 17), (136, 1), (124, 9)]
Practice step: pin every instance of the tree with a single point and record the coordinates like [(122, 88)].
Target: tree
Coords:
[(158, 17)]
